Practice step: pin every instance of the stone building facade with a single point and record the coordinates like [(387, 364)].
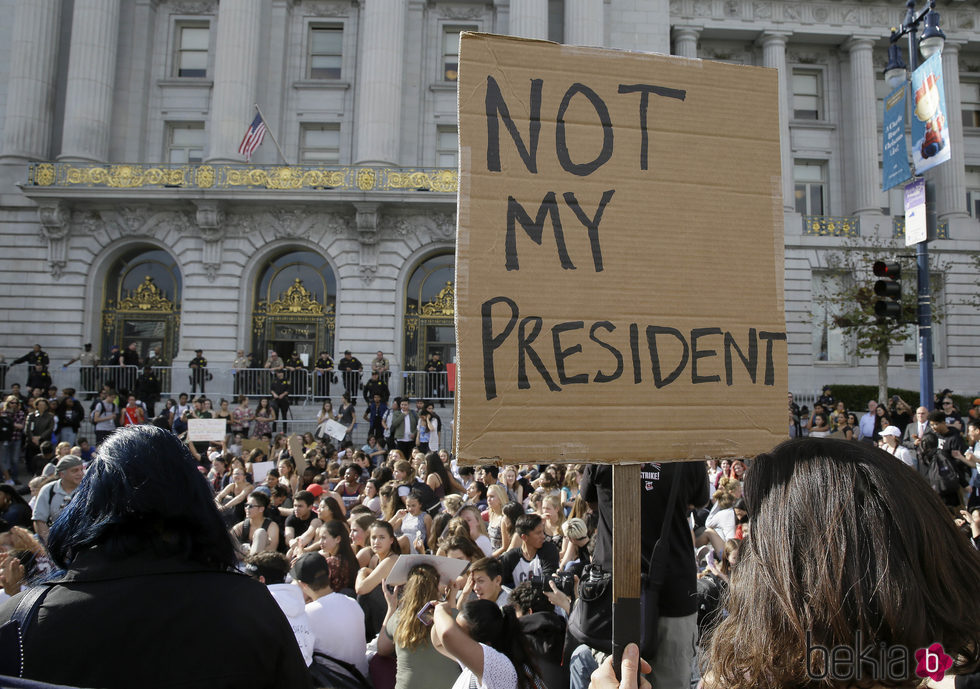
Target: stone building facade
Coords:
[(127, 213)]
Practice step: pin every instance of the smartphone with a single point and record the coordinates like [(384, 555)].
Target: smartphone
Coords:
[(425, 614)]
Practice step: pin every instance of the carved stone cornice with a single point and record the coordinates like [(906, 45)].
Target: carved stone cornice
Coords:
[(55, 218), (430, 225), (192, 6), (324, 8)]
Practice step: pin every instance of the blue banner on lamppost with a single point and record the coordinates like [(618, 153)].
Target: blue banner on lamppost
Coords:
[(895, 157), (930, 135)]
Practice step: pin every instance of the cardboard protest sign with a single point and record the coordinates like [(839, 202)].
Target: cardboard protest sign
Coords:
[(619, 279), (260, 470), (335, 430), (249, 444), (206, 430)]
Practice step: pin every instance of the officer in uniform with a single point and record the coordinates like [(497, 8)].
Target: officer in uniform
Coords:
[(147, 390), (88, 364), (376, 386), (296, 378), (434, 369), (351, 369), (199, 371), (280, 397), (322, 375), (33, 358)]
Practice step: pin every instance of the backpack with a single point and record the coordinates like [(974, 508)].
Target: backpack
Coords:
[(942, 474)]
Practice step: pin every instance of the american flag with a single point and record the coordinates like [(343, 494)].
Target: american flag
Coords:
[(253, 137)]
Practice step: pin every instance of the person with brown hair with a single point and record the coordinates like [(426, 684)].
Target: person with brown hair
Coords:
[(850, 549), (406, 636)]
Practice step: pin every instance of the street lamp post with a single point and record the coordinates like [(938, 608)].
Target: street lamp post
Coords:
[(931, 42)]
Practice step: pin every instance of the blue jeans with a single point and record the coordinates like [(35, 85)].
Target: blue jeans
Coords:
[(580, 667), (9, 454), (67, 435)]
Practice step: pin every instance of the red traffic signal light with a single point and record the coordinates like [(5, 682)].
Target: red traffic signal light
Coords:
[(884, 269)]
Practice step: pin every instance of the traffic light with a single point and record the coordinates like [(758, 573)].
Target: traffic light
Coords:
[(889, 289)]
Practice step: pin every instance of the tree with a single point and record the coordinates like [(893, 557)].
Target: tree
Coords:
[(850, 301)]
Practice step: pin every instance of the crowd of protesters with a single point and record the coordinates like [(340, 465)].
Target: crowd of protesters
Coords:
[(322, 523)]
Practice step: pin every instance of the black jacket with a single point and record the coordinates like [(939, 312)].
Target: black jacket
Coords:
[(544, 634), (678, 595), (152, 622)]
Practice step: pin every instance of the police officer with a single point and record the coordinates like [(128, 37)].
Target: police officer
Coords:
[(322, 374), (33, 358), (147, 390), (294, 364), (351, 369), (280, 397), (434, 369), (199, 371)]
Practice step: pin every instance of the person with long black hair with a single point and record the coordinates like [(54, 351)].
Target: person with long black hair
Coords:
[(487, 643), (147, 557)]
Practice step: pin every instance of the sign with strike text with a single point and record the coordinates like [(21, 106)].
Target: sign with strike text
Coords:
[(619, 280)]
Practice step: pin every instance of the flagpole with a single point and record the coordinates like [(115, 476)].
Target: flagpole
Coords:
[(269, 129)]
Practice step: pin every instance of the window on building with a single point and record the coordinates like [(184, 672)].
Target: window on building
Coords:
[(319, 144), (192, 50), (829, 341), (807, 95), (447, 146), (185, 142), (450, 50), (326, 51), (973, 192), (811, 187), (970, 103)]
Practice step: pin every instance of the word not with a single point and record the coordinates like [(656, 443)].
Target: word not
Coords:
[(496, 109), (695, 347)]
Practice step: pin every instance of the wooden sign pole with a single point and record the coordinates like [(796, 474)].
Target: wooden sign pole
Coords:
[(627, 545)]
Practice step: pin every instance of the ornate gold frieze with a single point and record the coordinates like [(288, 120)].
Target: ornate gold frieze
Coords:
[(295, 301), (442, 306), (827, 226), (272, 177), (147, 298)]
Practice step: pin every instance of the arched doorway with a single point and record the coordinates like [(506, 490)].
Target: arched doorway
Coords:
[(429, 309), (294, 307), (141, 303)]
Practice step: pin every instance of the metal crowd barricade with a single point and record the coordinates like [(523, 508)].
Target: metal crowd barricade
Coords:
[(425, 385)]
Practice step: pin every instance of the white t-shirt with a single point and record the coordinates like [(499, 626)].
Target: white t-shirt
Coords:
[(724, 522), (338, 625), (498, 672), (484, 544)]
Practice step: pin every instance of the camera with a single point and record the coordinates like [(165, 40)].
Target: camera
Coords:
[(564, 582)]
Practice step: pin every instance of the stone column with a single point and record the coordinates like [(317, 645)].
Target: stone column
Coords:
[(686, 40), (236, 66), (863, 178), (774, 55), (91, 81), (379, 82), (584, 22), (30, 88), (951, 175), (529, 18)]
